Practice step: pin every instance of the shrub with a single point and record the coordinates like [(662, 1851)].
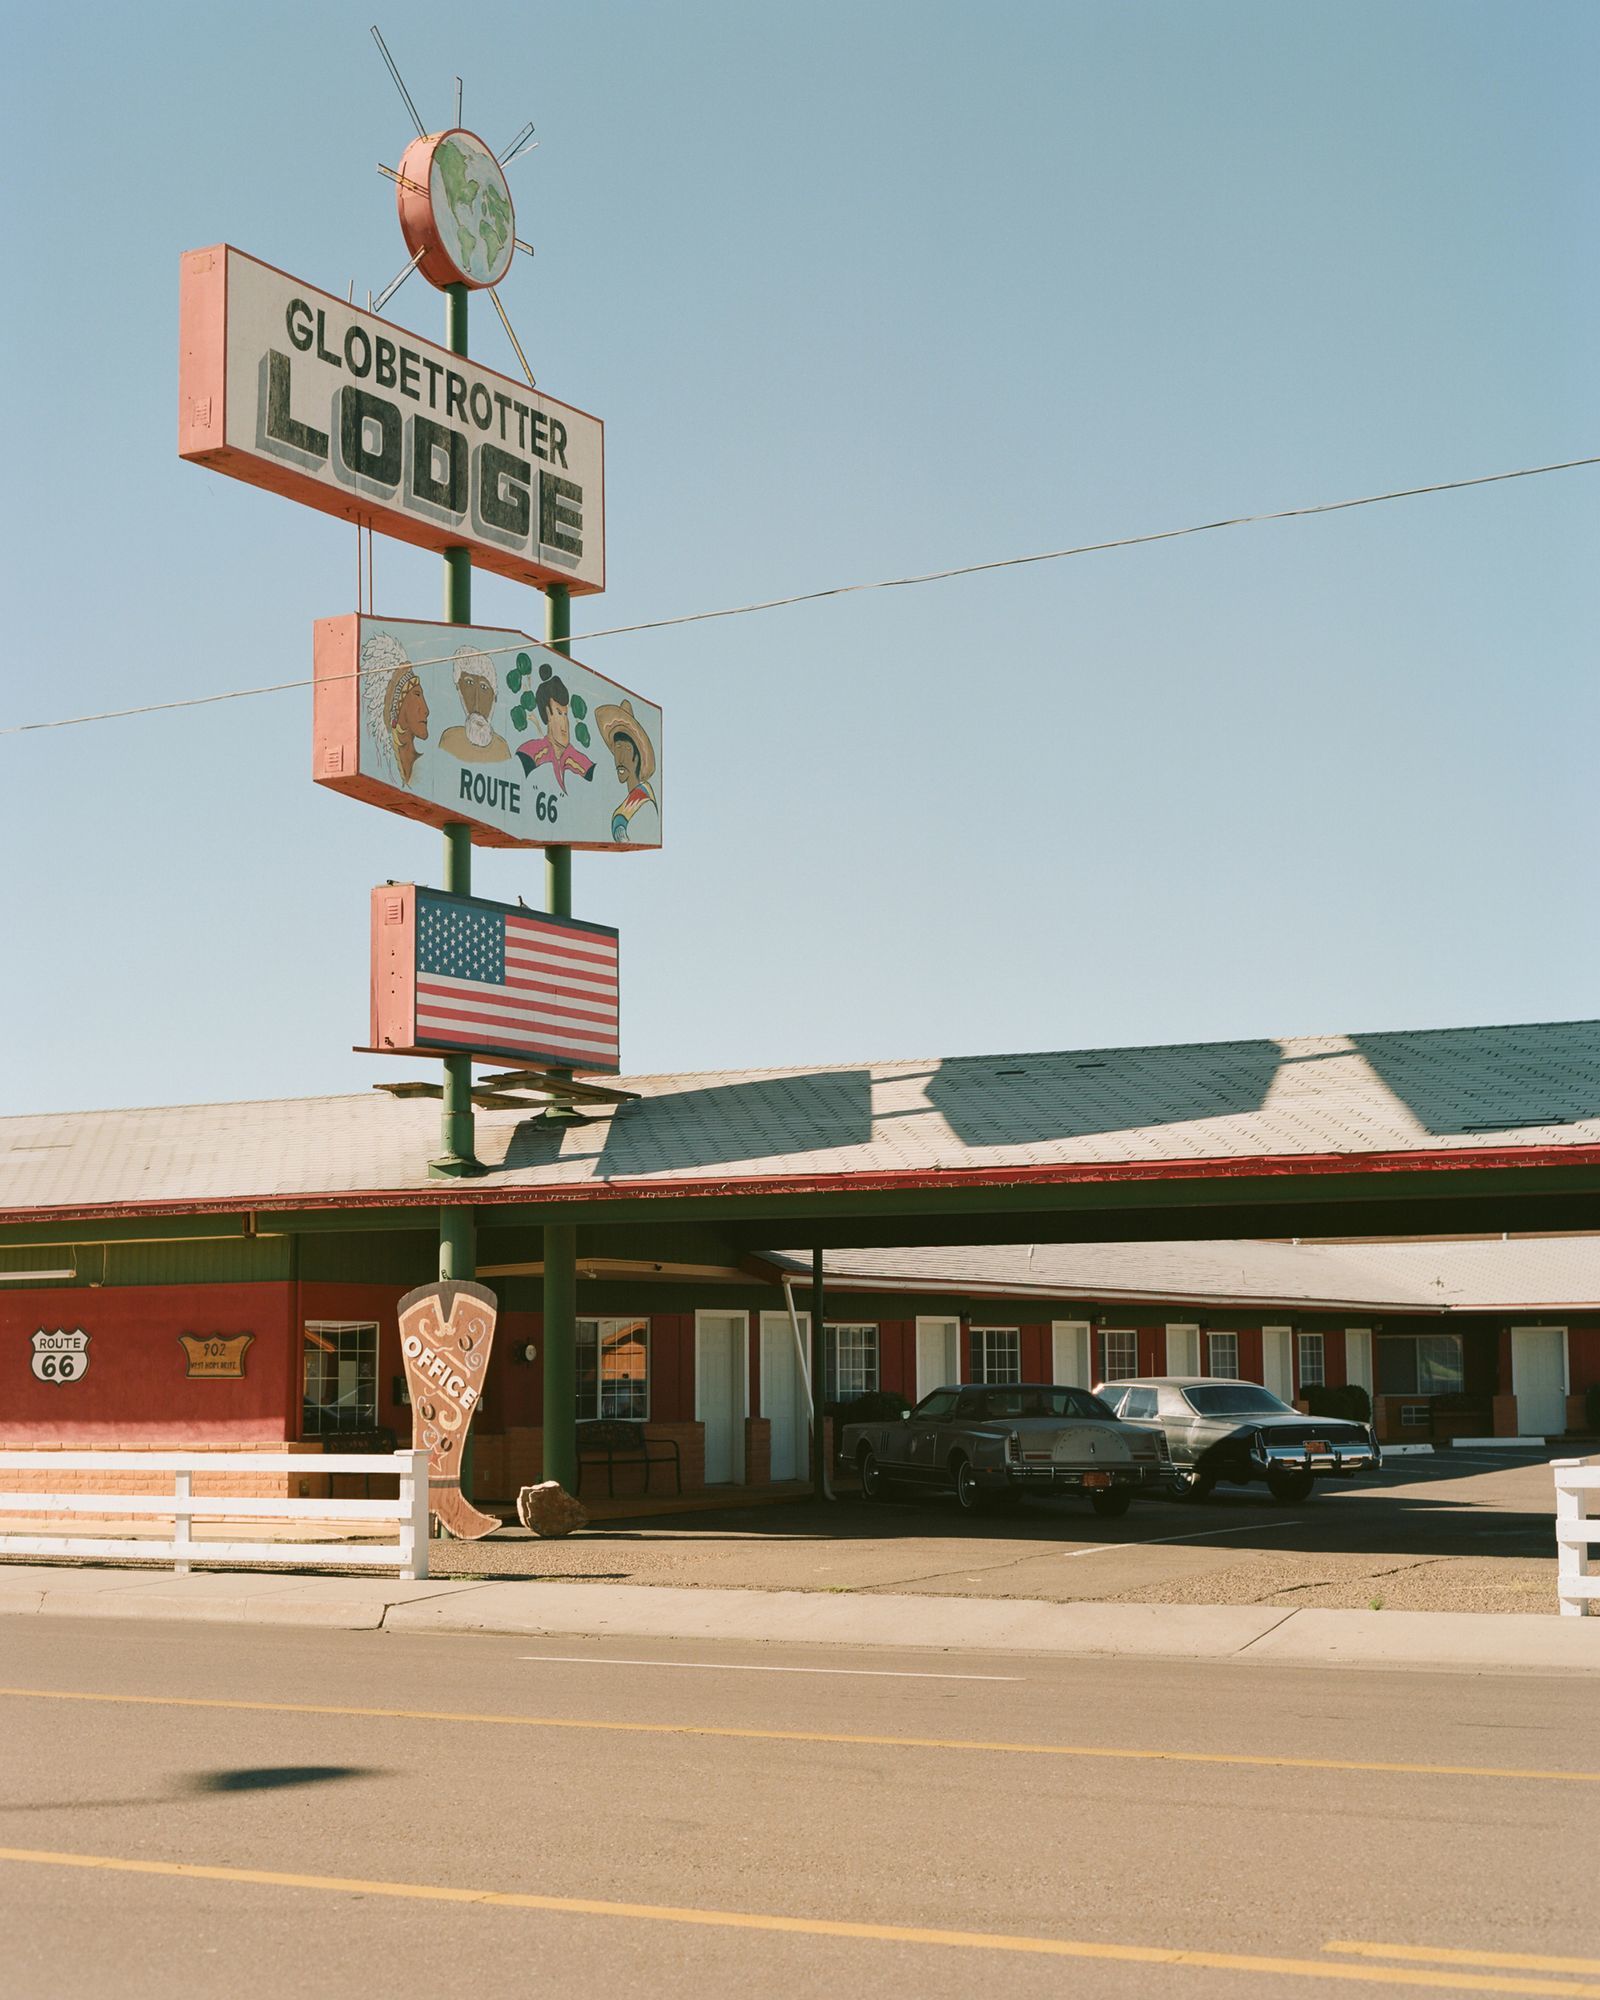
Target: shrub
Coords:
[(1346, 1400), (877, 1406)]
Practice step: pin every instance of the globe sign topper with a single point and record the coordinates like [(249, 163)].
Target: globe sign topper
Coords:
[(455, 210)]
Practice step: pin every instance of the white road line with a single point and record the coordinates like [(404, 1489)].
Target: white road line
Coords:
[(732, 1667), (1155, 1541)]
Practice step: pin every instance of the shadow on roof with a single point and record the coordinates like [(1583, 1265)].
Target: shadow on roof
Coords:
[(767, 1118), (1031, 1100), (1480, 1080)]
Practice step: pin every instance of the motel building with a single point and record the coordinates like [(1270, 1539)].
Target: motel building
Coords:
[(1413, 1213)]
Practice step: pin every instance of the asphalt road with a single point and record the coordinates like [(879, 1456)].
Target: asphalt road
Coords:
[(1462, 1531), (224, 1811)]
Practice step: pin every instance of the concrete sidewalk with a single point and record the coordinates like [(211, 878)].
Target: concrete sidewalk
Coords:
[(1471, 1642)]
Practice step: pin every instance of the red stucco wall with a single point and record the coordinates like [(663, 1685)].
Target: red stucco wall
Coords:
[(1583, 1355), (135, 1389)]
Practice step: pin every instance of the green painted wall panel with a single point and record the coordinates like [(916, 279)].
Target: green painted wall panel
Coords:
[(231, 1261), (370, 1258)]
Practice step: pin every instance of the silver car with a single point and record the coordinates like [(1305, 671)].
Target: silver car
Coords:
[(989, 1442)]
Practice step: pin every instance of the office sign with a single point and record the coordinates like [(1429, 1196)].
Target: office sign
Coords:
[(446, 1333), (471, 723), (292, 389), (459, 975)]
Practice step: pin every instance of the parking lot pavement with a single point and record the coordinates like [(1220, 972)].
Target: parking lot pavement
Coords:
[(1460, 1531)]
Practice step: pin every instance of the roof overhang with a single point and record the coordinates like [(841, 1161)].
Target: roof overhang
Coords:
[(1549, 1188)]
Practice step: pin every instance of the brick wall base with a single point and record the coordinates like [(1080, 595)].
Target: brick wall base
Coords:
[(216, 1485), (757, 1451)]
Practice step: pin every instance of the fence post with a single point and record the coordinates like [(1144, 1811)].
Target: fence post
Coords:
[(414, 1529), (1572, 1558), (183, 1500)]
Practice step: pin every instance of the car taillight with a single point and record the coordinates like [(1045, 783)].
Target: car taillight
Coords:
[(1014, 1447)]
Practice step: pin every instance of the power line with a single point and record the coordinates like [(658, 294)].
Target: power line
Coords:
[(851, 589)]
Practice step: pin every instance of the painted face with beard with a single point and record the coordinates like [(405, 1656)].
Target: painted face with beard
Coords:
[(477, 699)]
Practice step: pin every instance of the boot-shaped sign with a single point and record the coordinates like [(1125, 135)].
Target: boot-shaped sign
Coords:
[(446, 1331)]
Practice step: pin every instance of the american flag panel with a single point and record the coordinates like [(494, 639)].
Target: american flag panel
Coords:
[(493, 980)]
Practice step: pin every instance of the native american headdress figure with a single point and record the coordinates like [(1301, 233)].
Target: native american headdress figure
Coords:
[(387, 677)]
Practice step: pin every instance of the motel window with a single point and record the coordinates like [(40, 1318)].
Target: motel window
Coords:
[(1313, 1367), (1429, 1364), (852, 1355), (996, 1354), (1222, 1355), (1119, 1354), (614, 1369), (341, 1378)]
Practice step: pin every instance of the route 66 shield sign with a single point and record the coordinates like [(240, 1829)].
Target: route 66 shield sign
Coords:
[(60, 1357)]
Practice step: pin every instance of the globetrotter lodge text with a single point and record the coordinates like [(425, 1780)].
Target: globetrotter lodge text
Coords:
[(425, 459), (290, 388)]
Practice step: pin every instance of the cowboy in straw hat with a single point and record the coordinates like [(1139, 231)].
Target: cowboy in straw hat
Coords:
[(635, 758)]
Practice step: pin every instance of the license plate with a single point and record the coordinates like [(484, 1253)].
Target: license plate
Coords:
[(1097, 1479), (1318, 1448)]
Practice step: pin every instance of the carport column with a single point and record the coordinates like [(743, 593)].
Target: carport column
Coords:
[(819, 1381), (561, 1353)]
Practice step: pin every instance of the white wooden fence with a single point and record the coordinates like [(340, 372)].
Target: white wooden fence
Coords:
[(1577, 1534), (408, 1552)]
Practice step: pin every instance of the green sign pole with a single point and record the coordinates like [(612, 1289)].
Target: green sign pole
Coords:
[(819, 1380), (456, 1133), (458, 1248), (560, 1239)]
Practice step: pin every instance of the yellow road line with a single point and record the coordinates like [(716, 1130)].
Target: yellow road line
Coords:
[(1508, 1961), (751, 1920), (730, 1733)]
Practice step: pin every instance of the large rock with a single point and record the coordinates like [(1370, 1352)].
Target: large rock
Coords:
[(549, 1510)]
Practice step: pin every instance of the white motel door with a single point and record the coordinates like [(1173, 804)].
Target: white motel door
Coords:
[(1183, 1350), (1277, 1361), (783, 1396), (1539, 1379), (938, 1354), (1069, 1353), (718, 1397)]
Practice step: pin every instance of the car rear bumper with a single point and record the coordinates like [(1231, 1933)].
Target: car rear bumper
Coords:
[(1044, 1478), (1336, 1458)]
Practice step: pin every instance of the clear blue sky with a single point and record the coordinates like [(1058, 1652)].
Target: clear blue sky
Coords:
[(859, 289)]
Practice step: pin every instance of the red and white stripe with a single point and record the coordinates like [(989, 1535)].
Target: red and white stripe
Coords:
[(560, 999)]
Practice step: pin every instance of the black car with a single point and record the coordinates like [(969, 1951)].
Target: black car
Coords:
[(1238, 1432)]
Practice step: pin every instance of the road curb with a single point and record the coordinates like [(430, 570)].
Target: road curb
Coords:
[(1447, 1641), (798, 1617)]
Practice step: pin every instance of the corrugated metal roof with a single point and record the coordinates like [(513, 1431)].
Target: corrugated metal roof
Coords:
[(1460, 1091), (1536, 1274)]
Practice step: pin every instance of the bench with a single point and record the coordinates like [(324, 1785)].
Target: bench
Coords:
[(373, 1438), (620, 1442)]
